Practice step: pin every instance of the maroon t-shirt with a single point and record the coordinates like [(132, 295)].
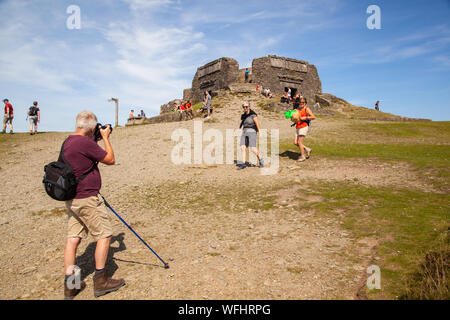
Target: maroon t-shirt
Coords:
[(10, 108), (82, 153)]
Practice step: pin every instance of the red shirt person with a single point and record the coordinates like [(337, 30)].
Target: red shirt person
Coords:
[(8, 117)]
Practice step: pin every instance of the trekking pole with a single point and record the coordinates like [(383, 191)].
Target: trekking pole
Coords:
[(166, 265)]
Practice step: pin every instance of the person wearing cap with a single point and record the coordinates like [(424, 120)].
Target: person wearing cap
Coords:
[(250, 125), (8, 117)]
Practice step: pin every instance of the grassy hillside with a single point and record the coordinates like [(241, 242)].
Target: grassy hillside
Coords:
[(409, 224)]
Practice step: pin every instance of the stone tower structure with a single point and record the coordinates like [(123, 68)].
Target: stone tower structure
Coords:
[(215, 75), (279, 74)]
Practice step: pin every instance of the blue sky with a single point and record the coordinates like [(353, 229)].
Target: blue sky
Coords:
[(146, 52)]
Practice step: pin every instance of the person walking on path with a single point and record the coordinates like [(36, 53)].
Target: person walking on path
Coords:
[(8, 117), (301, 128), (34, 116), (246, 75), (87, 211), (250, 125)]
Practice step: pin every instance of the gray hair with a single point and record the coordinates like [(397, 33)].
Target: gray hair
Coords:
[(86, 121)]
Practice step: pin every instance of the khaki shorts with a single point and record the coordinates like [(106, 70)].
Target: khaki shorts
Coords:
[(33, 120), (88, 215), (7, 119), (301, 131)]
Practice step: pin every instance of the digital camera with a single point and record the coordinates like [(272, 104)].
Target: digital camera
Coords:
[(97, 134)]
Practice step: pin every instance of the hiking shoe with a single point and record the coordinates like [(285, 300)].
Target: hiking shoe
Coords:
[(104, 285), (241, 166), (308, 153), (69, 294), (261, 163), (301, 158)]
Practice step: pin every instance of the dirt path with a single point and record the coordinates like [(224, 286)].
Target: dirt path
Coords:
[(223, 250)]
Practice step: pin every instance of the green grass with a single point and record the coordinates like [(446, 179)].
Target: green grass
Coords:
[(407, 223), (439, 130), (431, 161)]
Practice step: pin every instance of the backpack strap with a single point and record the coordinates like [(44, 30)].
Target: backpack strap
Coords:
[(63, 159)]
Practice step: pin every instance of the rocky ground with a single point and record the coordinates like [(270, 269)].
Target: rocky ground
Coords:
[(226, 234)]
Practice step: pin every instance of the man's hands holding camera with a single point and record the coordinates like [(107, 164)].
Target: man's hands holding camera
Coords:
[(102, 132), (106, 132)]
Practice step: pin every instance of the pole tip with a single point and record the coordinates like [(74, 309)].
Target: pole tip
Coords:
[(166, 266)]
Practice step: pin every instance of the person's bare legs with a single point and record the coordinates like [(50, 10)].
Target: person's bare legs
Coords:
[(301, 146), (101, 252), (255, 151), (244, 153), (70, 254)]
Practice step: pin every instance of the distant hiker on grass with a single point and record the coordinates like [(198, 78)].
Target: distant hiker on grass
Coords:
[(8, 117), (376, 106), (250, 125), (87, 212), (34, 115), (304, 116)]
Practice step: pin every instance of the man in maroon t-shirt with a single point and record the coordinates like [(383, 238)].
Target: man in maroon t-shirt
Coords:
[(87, 212), (8, 117)]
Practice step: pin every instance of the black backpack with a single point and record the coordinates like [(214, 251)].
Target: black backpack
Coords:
[(59, 179), (33, 111)]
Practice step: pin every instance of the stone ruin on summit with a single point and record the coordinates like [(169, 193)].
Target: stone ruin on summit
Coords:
[(274, 72)]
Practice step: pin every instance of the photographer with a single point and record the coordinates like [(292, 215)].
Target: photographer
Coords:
[(87, 212)]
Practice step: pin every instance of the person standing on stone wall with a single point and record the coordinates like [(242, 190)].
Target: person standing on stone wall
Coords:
[(246, 75), (208, 103)]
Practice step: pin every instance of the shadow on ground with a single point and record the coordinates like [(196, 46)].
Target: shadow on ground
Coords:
[(87, 262)]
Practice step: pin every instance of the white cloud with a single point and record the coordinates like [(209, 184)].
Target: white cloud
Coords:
[(146, 4)]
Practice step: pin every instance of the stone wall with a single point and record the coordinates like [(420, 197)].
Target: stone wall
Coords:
[(278, 73), (216, 75), (187, 94)]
